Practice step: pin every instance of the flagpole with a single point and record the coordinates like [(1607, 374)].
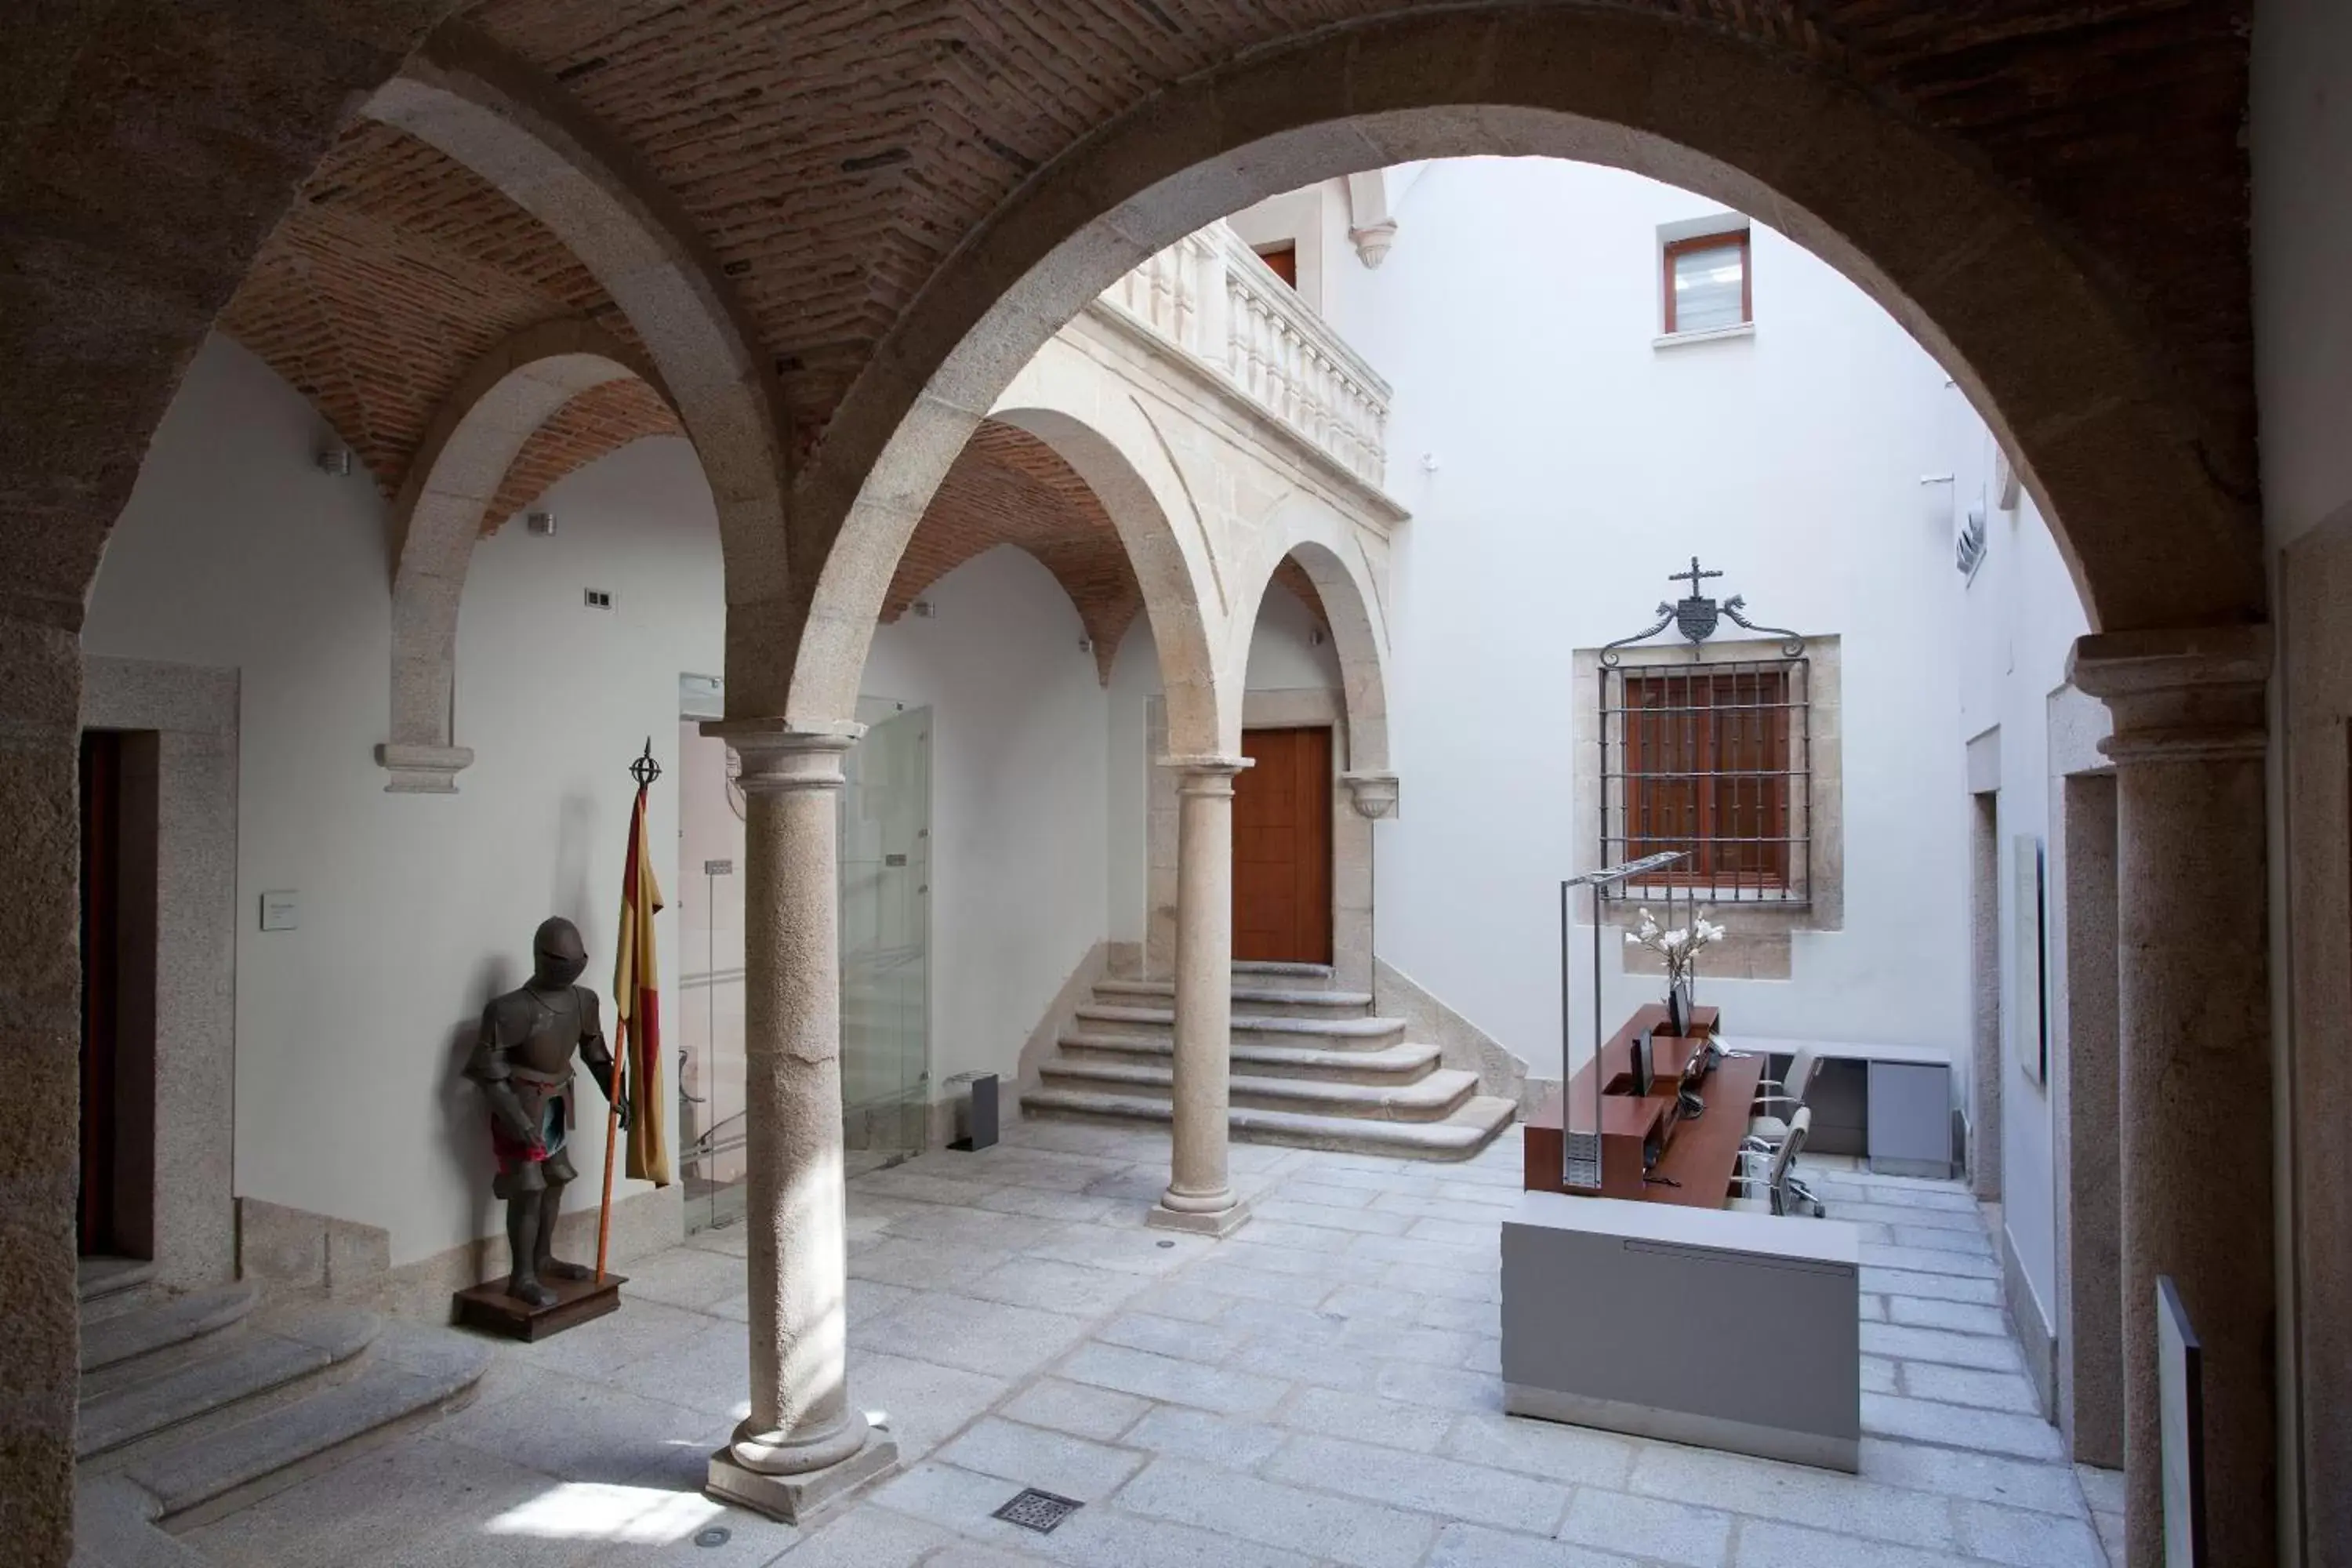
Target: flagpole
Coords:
[(637, 1017), (611, 1141)]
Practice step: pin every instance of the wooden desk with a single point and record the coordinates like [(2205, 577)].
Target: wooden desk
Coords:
[(1700, 1156)]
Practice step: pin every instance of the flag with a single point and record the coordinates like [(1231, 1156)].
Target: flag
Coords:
[(636, 998)]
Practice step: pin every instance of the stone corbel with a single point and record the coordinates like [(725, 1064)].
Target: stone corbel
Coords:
[(1371, 228), (422, 770), (1373, 241), (1373, 795)]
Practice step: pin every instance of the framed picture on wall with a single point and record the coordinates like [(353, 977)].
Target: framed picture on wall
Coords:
[(2030, 972)]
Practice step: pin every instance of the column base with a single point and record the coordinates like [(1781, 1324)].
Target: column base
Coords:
[(1221, 1222), (796, 1499)]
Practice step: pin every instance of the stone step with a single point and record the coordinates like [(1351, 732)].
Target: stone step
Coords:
[(1386, 1064), (411, 1371), (1277, 1001), (97, 1278), (173, 1320), (1251, 969), (1330, 1033), (256, 1362), (1433, 1097), (110, 1286), (1458, 1136)]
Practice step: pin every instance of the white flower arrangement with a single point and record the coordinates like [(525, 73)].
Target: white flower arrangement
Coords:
[(1676, 947)]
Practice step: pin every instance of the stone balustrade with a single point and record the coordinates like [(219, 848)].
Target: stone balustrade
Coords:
[(1211, 296)]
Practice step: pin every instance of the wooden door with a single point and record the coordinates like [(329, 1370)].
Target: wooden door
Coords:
[(1282, 848)]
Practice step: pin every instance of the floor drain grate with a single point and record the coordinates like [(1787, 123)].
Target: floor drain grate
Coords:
[(1040, 1511)]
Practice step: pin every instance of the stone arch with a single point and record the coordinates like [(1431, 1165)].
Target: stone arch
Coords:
[(499, 117), (1113, 446), (1354, 597), (2072, 378), (464, 457)]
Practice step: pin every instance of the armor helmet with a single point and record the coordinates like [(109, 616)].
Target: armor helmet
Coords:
[(558, 956)]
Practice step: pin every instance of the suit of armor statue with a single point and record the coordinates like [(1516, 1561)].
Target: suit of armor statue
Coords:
[(523, 1062)]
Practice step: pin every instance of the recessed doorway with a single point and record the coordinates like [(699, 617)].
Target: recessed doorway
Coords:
[(115, 1207), (1282, 848)]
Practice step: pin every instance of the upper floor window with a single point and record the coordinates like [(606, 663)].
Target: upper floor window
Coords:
[(1707, 282), (1282, 258)]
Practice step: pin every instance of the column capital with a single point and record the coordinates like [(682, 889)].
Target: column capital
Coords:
[(2188, 695), (780, 755), (1206, 773)]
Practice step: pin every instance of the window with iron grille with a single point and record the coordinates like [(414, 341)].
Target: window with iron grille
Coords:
[(1713, 760)]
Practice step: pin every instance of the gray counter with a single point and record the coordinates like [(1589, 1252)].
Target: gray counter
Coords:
[(1714, 1327)]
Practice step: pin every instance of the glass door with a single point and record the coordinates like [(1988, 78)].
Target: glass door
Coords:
[(885, 971)]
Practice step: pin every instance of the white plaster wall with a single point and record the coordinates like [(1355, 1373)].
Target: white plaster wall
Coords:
[(236, 551), (1575, 466), (2018, 618), (1019, 795)]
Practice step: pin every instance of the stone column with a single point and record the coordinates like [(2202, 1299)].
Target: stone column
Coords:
[(40, 1036), (803, 1444), (2194, 1057), (1200, 1198)]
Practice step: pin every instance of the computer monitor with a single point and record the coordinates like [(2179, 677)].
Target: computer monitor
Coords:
[(1641, 1072)]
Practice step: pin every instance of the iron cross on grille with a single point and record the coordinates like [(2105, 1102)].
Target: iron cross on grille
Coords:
[(1697, 616), (1693, 575)]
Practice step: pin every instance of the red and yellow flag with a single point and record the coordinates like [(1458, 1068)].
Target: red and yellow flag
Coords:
[(637, 996)]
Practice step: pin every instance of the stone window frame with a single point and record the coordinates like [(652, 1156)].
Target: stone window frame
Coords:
[(1760, 947), (1300, 708)]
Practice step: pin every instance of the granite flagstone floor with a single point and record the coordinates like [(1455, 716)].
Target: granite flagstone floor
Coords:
[(1319, 1389)]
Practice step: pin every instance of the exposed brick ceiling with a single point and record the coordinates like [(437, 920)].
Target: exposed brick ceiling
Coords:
[(605, 418), (396, 270), (834, 153), (1008, 488)]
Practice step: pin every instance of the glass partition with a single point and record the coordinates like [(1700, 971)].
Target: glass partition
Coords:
[(886, 970), (885, 864), (708, 892)]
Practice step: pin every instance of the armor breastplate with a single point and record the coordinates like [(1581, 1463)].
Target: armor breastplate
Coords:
[(554, 1036)]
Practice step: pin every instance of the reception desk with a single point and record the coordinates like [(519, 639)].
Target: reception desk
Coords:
[(1720, 1328), (1692, 1160)]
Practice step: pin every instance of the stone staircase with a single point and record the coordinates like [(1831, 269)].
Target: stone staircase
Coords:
[(1311, 1066), (193, 1403)]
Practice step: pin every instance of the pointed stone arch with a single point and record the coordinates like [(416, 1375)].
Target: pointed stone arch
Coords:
[(521, 132), (441, 509)]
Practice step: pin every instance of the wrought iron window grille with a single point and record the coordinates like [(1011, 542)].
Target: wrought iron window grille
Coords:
[(1711, 760)]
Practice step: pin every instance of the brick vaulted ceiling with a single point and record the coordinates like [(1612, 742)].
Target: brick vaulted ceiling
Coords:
[(395, 271), (833, 153), (1007, 486), (399, 268)]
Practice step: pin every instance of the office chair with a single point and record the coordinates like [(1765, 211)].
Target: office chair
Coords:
[(1786, 1094), (1772, 1173)]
